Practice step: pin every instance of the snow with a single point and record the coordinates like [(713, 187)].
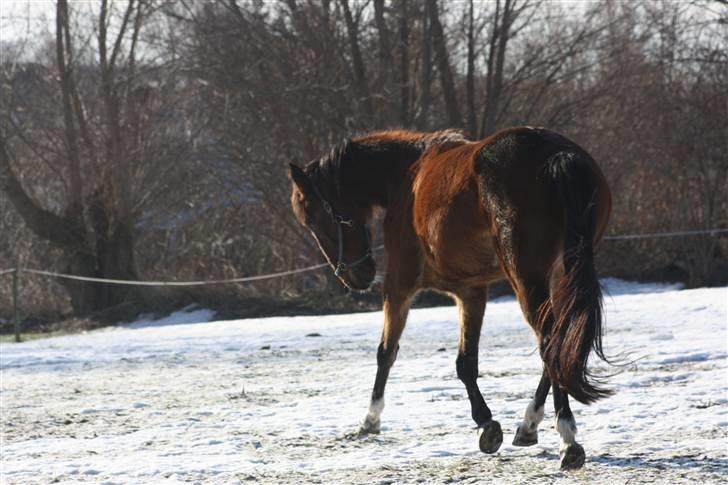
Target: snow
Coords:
[(171, 400)]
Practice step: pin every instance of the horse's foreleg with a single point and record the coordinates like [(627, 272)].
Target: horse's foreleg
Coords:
[(472, 307), (395, 318), (571, 452), (527, 432)]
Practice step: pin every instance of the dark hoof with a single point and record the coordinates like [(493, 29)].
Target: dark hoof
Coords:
[(491, 437), (572, 458), (525, 438)]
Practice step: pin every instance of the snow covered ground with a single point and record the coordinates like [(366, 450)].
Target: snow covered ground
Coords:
[(275, 399)]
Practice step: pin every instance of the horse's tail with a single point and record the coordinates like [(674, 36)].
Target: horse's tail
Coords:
[(576, 295)]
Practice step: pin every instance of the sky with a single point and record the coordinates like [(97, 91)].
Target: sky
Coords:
[(20, 19)]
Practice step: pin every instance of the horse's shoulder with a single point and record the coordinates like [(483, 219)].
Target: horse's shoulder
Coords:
[(442, 173)]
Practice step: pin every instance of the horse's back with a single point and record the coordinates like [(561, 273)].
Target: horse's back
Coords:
[(466, 194), (513, 164)]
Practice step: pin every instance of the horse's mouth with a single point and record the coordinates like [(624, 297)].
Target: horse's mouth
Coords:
[(361, 279)]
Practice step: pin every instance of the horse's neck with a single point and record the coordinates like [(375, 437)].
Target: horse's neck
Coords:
[(376, 169)]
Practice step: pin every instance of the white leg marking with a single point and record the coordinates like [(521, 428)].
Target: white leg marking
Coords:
[(533, 417), (371, 420), (567, 430), (375, 409)]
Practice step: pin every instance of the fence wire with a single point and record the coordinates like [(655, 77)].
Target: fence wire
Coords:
[(306, 269), (712, 232)]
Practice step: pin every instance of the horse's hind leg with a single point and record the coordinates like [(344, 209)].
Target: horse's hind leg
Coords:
[(471, 303), (527, 432), (571, 452), (532, 293), (395, 318)]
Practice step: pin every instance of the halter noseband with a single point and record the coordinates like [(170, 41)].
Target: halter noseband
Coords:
[(341, 221)]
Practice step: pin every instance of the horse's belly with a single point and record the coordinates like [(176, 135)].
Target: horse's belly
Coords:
[(460, 249), (468, 263)]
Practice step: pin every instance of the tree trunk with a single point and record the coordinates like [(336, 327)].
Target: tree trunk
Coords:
[(470, 80), (115, 251), (425, 98), (114, 257), (111, 254), (85, 297), (60, 230), (455, 119), (387, 108), (360, 77), (63, 50), (496, 61), (63, 232), (404, 115)]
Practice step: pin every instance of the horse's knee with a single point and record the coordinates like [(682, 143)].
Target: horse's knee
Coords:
[(386, 355), (467, 367)]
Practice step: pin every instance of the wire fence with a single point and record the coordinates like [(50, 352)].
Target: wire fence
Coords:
[(305, 269), (268, 276), (711, 232), (245, 279)]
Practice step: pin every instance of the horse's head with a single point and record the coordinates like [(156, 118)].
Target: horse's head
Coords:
[(338, 226)]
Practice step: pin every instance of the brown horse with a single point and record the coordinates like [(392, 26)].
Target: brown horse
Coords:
[(525, 204)]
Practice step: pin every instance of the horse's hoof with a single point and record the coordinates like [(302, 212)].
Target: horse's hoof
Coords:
[(572, 457), (524, 437), (368, 427), (491, 437)]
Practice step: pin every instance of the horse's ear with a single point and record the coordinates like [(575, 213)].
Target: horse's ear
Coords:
[(297, 175)]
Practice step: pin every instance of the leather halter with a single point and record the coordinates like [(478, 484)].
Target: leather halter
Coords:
[(340, 222)]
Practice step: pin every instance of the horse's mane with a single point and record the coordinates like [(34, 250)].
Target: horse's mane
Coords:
[(327, 168), (444, 139)]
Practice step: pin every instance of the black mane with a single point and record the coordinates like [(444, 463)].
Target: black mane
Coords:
[(326, 171)]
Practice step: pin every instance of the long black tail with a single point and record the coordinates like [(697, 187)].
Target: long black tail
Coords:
[(576, 297)]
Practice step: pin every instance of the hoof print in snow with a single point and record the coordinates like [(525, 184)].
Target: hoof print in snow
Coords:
[(491, 437), (573, 457), (265, 347), (313, 334)]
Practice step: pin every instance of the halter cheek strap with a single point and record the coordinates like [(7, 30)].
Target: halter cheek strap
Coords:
[(340, 222), (341, 266)]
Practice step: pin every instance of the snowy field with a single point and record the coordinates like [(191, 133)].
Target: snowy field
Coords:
[(276, 399)]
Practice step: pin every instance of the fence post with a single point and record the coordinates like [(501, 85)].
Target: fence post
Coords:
[(15, 304)]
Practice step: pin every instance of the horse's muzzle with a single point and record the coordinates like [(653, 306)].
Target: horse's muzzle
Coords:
[(359, 277)]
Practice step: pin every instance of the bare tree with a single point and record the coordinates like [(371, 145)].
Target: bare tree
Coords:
[(150, 138), (404, 63), (116, 141), (500, 33), (360, 76), (447, 80)]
